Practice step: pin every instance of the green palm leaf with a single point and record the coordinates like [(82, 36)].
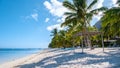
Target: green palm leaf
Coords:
[(68, 5), (92, 4)]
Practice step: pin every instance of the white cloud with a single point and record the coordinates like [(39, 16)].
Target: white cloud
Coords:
[(107, 3), (97, 5), (50, 28), (100, 3), (35, 16), (55, 8), (48, 5), (114, 3), (59, 20), (110, 3), (47, 19), (98, 16)]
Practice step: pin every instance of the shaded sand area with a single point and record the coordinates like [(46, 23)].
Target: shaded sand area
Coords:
[(69, 58)]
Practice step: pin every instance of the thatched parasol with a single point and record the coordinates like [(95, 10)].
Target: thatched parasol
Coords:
[(92, 33)]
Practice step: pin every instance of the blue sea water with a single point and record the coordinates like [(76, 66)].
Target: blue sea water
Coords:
[(12, 54)]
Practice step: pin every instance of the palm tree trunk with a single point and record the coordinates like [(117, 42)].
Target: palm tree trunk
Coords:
[(82, 43), (102, 41), (88, 41)]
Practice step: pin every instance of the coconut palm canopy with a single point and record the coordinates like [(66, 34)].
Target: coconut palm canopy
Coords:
[(78, 19), (80, 14), (111, 21)]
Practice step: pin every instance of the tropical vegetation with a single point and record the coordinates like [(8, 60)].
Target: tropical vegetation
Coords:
[(111, 22), (78, 21)]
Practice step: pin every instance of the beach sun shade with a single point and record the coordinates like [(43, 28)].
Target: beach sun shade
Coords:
[(92, 33)]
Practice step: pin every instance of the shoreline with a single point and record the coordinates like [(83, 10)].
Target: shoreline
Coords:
[(65, 58), (18, 61), (15, 54)]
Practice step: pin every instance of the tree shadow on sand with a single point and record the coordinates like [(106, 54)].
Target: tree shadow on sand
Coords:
[(64, 58)]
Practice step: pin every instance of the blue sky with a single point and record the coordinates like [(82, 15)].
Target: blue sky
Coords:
[(28, 23)]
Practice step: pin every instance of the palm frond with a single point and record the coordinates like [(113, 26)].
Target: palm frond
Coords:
[(54, 32), (67, 22), (92, 4), (80, 4), (69, 15), (118, 2), (89, 17), (98, 10), (110, 21), (68, 5)]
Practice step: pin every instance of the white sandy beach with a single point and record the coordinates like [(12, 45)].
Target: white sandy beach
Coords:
[(66, 58)]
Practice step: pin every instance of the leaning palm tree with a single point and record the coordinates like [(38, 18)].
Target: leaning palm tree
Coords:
[(80, 14), (111, 21)]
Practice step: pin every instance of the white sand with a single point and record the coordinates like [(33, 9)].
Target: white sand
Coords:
[(60, 58)]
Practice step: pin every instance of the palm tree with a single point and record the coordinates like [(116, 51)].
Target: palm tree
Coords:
[(62, 36), (54, 32), (80, 14), (111, 21), (54, 40), (60, 39)]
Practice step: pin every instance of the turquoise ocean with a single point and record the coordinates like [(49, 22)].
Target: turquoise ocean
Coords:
[(9, 54)]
